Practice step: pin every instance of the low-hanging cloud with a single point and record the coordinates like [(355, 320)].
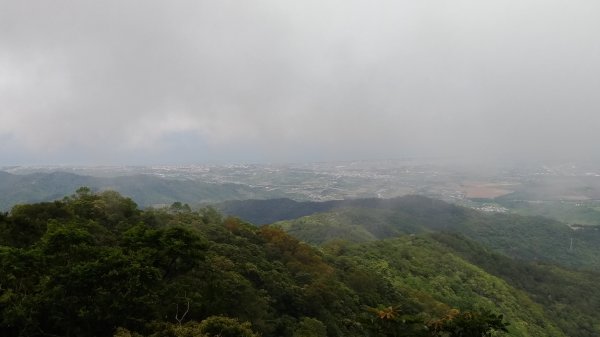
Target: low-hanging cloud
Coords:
[(110, 81)]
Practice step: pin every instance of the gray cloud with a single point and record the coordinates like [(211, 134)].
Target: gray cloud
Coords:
[(198, 81)]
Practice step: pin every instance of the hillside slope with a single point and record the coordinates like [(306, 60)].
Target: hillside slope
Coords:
[(93, 262), (267, 211), (523, 237)]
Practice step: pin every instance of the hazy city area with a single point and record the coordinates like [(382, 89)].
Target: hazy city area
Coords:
[(535, 190)]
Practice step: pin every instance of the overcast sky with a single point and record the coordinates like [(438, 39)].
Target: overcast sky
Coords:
[(145, 82)]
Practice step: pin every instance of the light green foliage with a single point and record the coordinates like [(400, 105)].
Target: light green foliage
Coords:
[(569, 297), (436, 279)]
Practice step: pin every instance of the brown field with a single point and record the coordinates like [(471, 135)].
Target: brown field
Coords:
[(486, 190)]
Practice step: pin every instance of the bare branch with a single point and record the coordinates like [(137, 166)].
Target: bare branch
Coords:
[(179, 320)]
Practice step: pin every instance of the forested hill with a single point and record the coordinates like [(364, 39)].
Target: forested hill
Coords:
[(96, 265), (525, 237), (272, 210), (146, 190)]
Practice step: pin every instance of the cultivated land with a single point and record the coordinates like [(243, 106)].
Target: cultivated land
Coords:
[(534, 190), (484, 190)]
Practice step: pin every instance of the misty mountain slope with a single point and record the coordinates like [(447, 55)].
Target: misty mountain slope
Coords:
[(529, 238), (272, 210), (352, 224), (267, 211), (149, 190), (36, 187), (145, 190)]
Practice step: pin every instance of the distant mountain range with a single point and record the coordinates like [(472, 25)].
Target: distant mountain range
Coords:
[(146, 190)]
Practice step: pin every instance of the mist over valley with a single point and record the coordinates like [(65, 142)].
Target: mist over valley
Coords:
[(269, 168)]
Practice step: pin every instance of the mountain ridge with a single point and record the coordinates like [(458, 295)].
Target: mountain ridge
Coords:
[(525, 237)]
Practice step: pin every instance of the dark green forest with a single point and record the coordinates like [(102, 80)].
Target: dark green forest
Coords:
[(94, 264)]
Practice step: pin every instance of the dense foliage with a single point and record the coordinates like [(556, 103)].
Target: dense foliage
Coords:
[(521, 237), (94, 264), (570, 297)]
